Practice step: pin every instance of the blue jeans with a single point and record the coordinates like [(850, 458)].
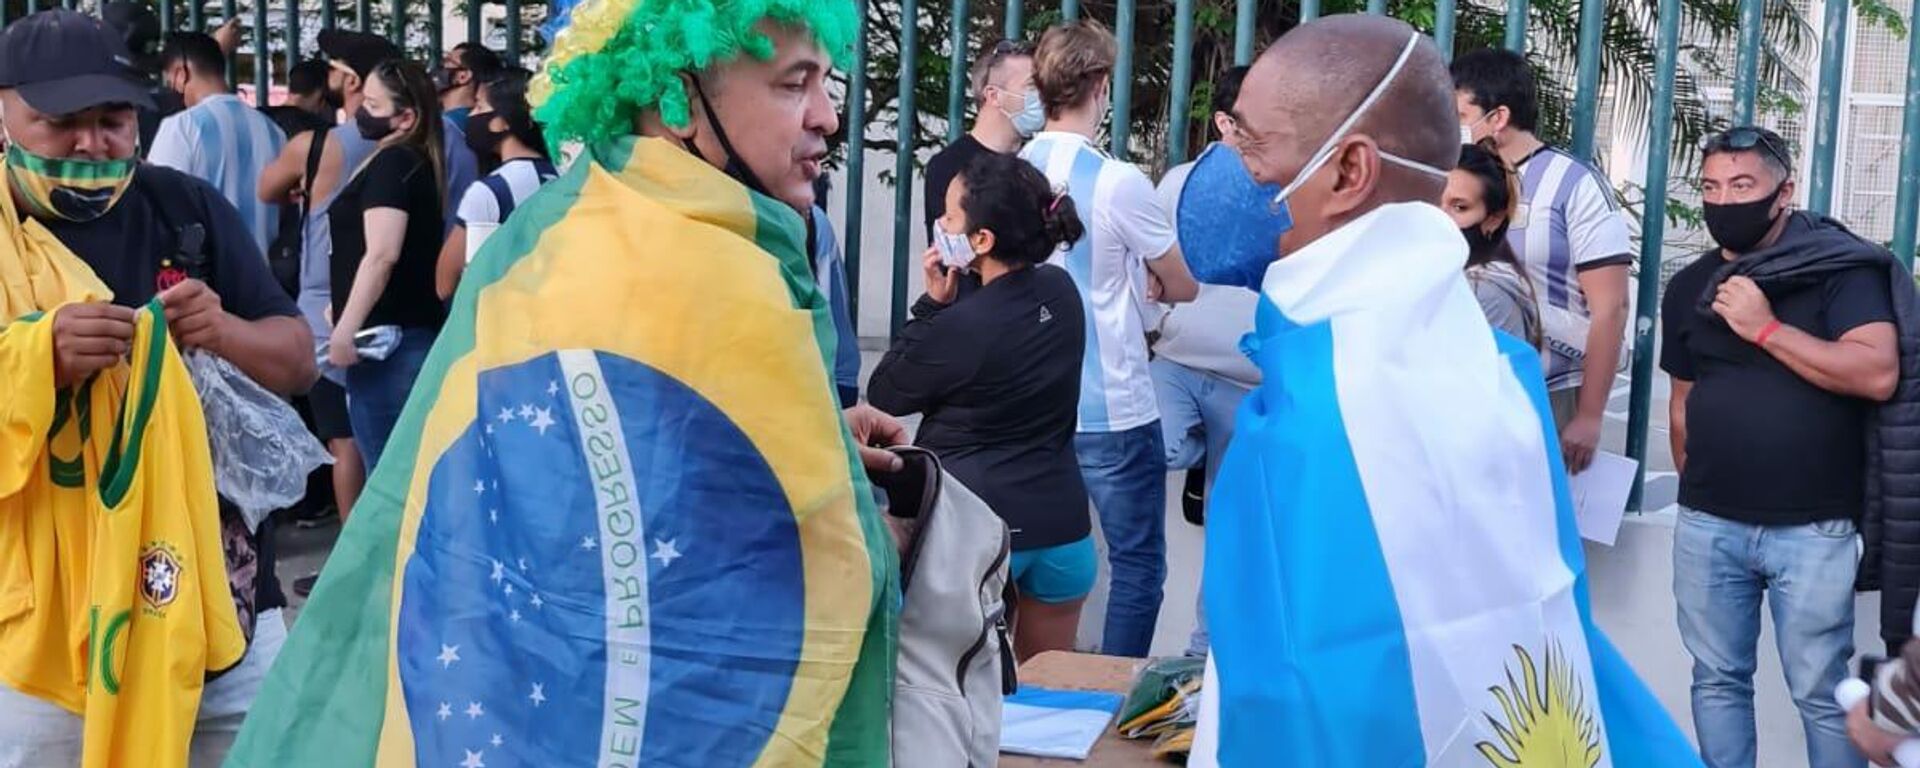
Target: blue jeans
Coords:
[(377, 390), (1196, 420), (1126, 476), (1721, 569)]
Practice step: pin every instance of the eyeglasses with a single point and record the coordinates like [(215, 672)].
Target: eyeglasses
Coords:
[(1746, 139)]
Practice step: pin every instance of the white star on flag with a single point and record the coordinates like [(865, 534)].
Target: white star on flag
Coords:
[(586, 542), (448, 655), (523, 565), (473, 760), (499, 571), (542, 419), (493, 516), (445, 712), (537, 602), (479, 487), (497, 741), (526, 410), (538, 696), (506, 415), (507, 588), (665, 552), (553, 388), (474, 710), (514, 615), (489, 429)]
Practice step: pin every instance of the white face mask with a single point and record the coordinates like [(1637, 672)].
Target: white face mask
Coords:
[(1466, 134), (1325, 153), (956, 251)]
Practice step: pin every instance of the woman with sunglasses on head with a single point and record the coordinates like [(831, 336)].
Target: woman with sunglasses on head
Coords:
[(513, 158), (997, 374), (387, 224), (1482, 196)]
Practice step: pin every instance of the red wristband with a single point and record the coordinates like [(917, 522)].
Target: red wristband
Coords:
[(1761, 340)]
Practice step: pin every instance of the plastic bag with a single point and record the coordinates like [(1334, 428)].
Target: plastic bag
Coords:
[(374, 343), (262, 452)]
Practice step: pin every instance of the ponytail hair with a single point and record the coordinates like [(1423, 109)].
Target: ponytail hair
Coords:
[(1012, 199)]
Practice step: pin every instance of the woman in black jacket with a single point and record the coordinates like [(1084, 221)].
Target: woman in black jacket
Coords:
[(998, 377)]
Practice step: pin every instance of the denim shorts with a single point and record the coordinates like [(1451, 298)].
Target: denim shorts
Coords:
[(1058, 574)]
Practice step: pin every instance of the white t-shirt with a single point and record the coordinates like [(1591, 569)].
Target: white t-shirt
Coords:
[(1568, 221), (1205, 334), (1126, 226), (489, 201)]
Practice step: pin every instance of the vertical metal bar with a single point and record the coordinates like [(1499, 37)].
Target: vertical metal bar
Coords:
[(513, 32), (1517, 26), (4, 16), (1443, 18), (1586, 94), (904, 131), (1746, 71), (1122, 120), (1016, 28), (293, 37), (329, 15), (166, 14), (1070, 10), (1243, 20), (1377, 7), (1309, 10), (436, 30), (228, 12), (1653, 223), (262, 55), (473, 21), (33, 7), (196, 15), (857, 163), (1906, 208), (363, 14), (957, 72), (1177, 118), (397, 24), (1826, 124)]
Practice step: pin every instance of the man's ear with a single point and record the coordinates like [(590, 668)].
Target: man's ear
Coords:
[(984, 241), (696, 112), (1356, 162), (1785, 198)]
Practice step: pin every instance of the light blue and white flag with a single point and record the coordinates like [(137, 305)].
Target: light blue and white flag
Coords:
[(1394, 577)]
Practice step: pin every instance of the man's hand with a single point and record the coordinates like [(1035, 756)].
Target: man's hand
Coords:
[(340, 349), (1872, 740), (1578, 442), (228, 36), (194, 316), (874, 431), (1745, 308), (943, 284), (88, 338)]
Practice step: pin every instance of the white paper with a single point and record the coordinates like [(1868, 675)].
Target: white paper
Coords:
[(1600, 496)]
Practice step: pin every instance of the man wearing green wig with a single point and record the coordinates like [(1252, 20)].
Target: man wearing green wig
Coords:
[(623, 520)]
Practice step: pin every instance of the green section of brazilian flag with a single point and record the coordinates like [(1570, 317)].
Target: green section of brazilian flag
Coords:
[(621, 521)]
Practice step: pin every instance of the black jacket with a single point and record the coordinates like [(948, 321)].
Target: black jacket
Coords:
[(1890, 523)]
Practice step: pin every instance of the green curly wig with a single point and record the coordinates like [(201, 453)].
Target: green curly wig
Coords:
[(618, 57)]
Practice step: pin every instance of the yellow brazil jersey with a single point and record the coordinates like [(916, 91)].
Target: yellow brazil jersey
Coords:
[(114, 601)]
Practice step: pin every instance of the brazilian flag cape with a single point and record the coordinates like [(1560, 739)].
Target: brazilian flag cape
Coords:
[(621, 521)]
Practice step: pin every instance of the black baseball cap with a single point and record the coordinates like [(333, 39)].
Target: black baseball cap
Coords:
[(139, 28), (360, 51), (63, 62)]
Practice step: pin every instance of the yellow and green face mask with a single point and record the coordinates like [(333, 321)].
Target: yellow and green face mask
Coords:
[(67, 188)]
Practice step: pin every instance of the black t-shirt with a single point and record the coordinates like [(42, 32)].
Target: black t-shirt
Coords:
[(941, 170), (1765, 446), (294, 121), (399, 177), (125, 246), (997, 374)]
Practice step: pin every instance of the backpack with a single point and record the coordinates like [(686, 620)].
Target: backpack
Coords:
[(289, 242), (955, 661)]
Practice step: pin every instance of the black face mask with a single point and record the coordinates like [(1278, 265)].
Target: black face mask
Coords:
[(372, 128), (734, 167), (1739, 227), (1480, 243), (485, 143)]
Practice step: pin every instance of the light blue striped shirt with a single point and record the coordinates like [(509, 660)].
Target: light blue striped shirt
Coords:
[(227, 143)]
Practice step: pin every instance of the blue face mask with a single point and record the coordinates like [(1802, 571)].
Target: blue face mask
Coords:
[(1031, 117), (1228, 232)]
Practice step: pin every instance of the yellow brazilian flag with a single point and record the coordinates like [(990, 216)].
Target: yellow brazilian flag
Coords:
[(620, 522)]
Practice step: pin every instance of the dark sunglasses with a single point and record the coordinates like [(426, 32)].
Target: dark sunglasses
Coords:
[(1746, 139)]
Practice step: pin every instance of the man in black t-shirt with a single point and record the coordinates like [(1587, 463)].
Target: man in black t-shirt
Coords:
[(1002, 85), (68, 97), (1772, 393)]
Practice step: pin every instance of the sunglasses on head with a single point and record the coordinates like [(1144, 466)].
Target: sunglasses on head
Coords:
[(1746, 139)]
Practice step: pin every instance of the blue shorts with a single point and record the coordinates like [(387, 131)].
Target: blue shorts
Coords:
[(1060, 574)]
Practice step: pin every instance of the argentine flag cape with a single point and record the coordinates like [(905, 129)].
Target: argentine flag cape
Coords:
[(620, 522), (1393, 573)]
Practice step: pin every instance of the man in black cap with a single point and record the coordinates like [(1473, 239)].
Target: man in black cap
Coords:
[(140, 30), (68, 95)]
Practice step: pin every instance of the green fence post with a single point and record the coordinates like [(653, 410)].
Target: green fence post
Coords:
[(905, 130), (1015, 23), (513, 33), (1826, 126), (1243, 21), (33, 7), (166, 13), (1746, 71), (1070, 10), (957, 72), (1177, 118), (1443, 17), (196, 15), (397, 24), (1653, 224), (262, 54), (329, 16), (293, 37), (1377, 7), (473, 20), (1906, 208), (1309, 10), (1517, 26), (1586, 94), (856, 165), (228, 11), (1121, 122), (436, 32), (363, 10)]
